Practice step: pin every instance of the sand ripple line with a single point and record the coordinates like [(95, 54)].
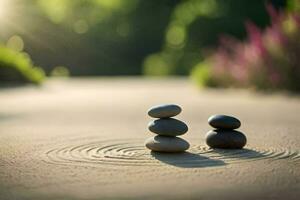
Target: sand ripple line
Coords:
[(129, 152), (247, 154)]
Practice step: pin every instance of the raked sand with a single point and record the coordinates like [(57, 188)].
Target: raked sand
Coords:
[(84, 139)]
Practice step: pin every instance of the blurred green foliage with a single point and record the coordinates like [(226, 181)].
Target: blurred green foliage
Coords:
[(16, 67), (195, 26), (118, 37), (94, 37)]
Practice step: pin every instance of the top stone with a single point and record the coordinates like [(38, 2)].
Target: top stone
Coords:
[(224, 122), (164, 111)]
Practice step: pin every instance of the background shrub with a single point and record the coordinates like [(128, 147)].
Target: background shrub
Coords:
[(268, 59), (16, 67)]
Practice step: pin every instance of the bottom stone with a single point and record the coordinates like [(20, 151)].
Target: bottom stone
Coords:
[(166, 144), (226, 139)]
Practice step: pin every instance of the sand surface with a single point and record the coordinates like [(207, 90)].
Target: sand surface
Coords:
[(83, 139)]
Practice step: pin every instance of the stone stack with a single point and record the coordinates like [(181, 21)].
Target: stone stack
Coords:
[(167, 129), (224, 136)]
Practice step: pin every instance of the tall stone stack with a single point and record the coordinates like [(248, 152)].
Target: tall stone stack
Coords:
[(225, 136), (167, 129)]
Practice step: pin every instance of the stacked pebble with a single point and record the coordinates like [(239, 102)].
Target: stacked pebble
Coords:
[(224, 136), (166, 128)]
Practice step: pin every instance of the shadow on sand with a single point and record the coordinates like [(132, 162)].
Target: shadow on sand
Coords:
[(4, 116), (239, 153), (186, 160)]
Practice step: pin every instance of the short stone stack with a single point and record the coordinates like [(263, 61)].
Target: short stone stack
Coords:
[(224, 136), (167, 130)]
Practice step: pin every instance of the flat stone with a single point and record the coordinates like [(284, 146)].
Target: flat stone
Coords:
[(167, 144), (164, 111), (224, 122), (168, 127), (226, 139)]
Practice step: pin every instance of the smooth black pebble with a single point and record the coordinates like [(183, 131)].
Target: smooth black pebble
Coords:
[(224, 122), (168, 127), (164, 111), (226, 139)]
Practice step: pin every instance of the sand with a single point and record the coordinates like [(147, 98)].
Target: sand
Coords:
[(84, 139)]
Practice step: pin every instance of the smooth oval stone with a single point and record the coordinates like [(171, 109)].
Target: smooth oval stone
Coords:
[(166, 144), (224, 122), (164, 111), (226, 139), (168, 127)]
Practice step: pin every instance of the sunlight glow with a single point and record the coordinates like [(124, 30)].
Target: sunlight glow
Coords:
[(4, 6)]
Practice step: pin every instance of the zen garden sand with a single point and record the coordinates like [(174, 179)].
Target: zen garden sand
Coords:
[(84, 139)]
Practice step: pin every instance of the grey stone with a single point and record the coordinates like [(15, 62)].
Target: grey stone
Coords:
[(164, 111), (168, 127), (226, 139), (224, 122), (166, 144)]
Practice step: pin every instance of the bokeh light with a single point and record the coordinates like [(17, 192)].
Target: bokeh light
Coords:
[(16, 43), (81, 26)]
